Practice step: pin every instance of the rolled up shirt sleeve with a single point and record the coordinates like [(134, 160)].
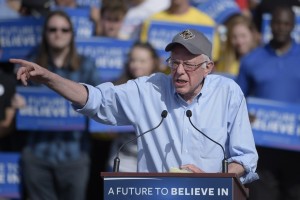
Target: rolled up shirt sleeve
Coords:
[(242, 146)]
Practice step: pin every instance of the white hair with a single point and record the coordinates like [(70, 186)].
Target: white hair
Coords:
[(205, 58)]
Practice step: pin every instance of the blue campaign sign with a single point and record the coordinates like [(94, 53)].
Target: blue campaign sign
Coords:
[(198, 2), (89, 3), (96, 127), (10, 181), (266, 29), (161, 33), (219, 10), (18, 37), (80, 17), (175, 188), (47, 111), (275, 124), (110, 55)]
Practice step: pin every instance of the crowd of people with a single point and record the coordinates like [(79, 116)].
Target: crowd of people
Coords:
[(206, 77)]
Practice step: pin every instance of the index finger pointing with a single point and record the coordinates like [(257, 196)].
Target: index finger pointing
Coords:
[(19, 61)]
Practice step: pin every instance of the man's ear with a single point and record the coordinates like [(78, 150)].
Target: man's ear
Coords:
[(209, 67)]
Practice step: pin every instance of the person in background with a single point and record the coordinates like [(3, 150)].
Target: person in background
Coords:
[(138, 12), (35, 8), (260, 7), (180, 11), (147, 100), (65, 3), (245, 7), (56, 164), (10, 101), (142, 61), (9, 9), (241, 38), (93, 5), (7, 111), (272, 72), (112, 16)]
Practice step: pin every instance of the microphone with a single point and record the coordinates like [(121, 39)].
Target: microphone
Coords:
[(116, 166), (224, 161)]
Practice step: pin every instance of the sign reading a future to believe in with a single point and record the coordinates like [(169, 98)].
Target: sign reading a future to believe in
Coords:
[(175, 188)]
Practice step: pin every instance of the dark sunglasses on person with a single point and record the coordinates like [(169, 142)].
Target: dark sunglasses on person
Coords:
[(55, 29)]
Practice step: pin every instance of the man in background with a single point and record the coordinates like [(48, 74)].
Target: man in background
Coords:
[(272, 72)]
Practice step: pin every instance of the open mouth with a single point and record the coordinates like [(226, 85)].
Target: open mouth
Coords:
[(180, 81)]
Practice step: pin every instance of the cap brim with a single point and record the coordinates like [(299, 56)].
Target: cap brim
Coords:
[(170, 46), (190, 48)]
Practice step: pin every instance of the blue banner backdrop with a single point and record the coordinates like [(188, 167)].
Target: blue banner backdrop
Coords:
[(161, 33), (110, 55), (275, 124), (219, 10), (89, 3), (10, 181), (18, 37), (47, 111), (80, 17)]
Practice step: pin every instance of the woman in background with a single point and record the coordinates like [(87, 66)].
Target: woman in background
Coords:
[(142, 61), (242, 37), (56, 164)]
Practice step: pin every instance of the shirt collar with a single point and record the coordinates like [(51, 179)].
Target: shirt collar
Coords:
[(292, 47), (203, 91)]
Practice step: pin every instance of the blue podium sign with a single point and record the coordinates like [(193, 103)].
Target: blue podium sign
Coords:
[(275, 124), (175, 186), (45, 110), (10, 179)]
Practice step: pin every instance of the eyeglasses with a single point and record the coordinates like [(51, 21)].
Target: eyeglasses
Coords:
[(174, 64), (54, 30)]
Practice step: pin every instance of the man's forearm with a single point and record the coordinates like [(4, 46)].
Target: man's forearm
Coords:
[(72, 91)]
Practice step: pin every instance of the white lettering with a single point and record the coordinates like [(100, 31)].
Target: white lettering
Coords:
[(2, 178), (45, 107), (143, 191), (111, 191), (192, 191), (223, 192)]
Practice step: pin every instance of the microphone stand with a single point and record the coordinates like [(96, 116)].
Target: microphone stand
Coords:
[(224, 161), (117, 159)]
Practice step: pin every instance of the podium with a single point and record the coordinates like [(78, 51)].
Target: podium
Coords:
[(175, 186)]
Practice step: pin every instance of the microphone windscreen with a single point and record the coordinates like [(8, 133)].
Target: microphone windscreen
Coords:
[(188, 113), (164, 114)]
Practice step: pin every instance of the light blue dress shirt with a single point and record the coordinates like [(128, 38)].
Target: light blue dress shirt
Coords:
[(219, 111)]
